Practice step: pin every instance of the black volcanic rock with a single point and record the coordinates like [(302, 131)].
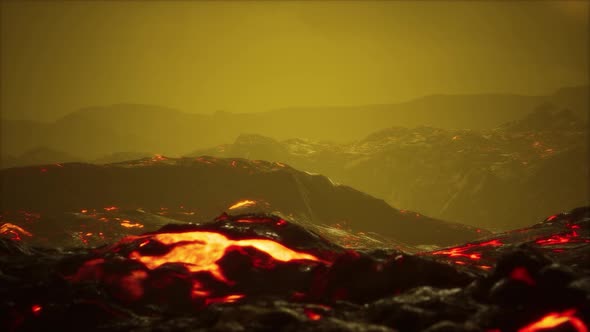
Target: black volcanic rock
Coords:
[(208, 186), (147, 283), (547, 117)]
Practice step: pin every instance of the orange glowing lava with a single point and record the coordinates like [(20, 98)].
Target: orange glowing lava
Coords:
[(555, 319), (14, 230), (127, 224), (111, 208), (243, 203), (200, 251)]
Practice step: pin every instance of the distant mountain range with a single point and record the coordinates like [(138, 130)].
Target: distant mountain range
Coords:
[(94, 132), (502, 178)]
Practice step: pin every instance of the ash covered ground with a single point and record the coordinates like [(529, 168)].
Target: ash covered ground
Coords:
[(110, 248)]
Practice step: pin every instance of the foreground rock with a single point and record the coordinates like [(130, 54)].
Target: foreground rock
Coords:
[(262, 273)]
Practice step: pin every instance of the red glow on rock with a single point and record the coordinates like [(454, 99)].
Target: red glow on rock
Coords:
[(198, 290), (36, 309), (132, 284), (312, 315), (559, 239), (522, 274), (555, 319), (224, 299), (43, 170), (111, 208), (552, 217), (91, 270), (298, 296), (247, 221), (462, 250)]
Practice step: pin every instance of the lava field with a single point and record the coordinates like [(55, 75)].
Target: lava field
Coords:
[(249, 272)]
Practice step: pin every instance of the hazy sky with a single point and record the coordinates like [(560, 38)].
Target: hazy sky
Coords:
[(202, 56)]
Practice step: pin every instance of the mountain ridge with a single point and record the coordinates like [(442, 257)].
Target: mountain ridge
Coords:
[(94, 131)]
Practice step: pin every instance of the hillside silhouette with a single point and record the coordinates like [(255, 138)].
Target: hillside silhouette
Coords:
[(93, 132)]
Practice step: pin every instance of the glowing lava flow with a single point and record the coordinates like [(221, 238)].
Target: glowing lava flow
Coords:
[(127, 224), (555, 319), (14, 231), (200, 251), (243, 203), (560, 239), (461, 251)]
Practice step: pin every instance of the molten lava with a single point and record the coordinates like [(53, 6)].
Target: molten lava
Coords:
[(14, 231), (560, 238), (243, 203), (462, 250), (127, 224), (200, 251), (555, 319), (158, 157)]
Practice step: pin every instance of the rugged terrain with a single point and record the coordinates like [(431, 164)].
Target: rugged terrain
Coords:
[(200, 189), (501, 178), (263, 273), (94, 132)]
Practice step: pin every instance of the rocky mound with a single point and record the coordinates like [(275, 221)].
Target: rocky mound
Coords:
[(198, 190), (262, 273)]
